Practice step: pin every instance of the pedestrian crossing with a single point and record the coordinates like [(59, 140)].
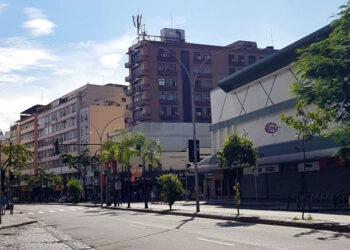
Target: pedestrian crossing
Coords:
[(52, 211)]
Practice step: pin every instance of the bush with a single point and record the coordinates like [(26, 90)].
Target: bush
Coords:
[(74, 189), (171, 189)]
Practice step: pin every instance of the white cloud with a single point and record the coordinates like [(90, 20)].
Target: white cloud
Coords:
[(2, 6), (38, 24), (111, 60)]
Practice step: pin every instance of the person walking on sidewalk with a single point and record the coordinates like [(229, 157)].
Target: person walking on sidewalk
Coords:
[(3, 204)]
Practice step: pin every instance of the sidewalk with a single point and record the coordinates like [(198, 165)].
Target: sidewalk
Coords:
[(15, 220), (334, 221)]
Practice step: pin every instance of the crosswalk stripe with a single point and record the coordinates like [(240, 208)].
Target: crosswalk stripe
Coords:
[(72, 209), (40, 212), (30, 213), (52, 211), (62, 210)]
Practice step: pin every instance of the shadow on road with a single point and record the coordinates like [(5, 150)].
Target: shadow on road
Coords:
[(324, 235), (234, 224)]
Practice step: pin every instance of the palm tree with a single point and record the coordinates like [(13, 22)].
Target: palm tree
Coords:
[(149, 152)]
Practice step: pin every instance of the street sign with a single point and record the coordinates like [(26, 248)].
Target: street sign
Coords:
[(271, 128), (136, 171)]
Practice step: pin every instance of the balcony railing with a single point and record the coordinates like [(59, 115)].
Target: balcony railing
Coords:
[(166, 58), (167, 72), (142, 87), (205, 75), (129, 92), (129, 78), (141, 117), (169, 117), (128, 64), (167, 87), (203, 118), (168, 102), (141, 73), (202, 103), (142, 102), (202, 88), (235, 63)]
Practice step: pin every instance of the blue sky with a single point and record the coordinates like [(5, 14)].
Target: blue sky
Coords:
[(48, 48)]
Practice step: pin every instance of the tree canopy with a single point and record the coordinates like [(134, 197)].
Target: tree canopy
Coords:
[(237, 151), (171, 189)]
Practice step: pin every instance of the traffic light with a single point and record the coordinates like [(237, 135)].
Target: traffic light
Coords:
[(56, 149), (191, 150)]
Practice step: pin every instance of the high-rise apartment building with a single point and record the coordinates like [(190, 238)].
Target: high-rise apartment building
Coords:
[(83, 116), (161, 73)]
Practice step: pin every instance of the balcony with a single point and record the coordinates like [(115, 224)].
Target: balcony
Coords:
[(128, 64), (202, 118), (141, 73), (201, 60), (167, 72), (141, 87), (141, 58), (142, 102), (235, 63), (204, 75), (166, 58), (129, 92), (170, 117), (129, 78), (167, 87), (129, 106), (141, 117), (202, 103), (168, 102), (202, 89)]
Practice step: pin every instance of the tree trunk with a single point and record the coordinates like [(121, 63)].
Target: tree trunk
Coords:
[(129, 196), (145, 193)]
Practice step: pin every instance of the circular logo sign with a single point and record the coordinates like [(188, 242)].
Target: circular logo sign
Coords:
[(271, 128)]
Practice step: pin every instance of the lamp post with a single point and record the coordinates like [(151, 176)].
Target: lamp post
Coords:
[(100, 137), (192, 79)]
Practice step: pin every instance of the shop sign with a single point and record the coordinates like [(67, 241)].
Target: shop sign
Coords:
[(271, 128), (136, 171), (309, 166)]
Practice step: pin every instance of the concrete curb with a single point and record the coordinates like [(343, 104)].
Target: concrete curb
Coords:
[(19, 224), (330, 226)]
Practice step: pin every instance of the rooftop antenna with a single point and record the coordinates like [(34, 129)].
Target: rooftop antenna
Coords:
[(137, 24), (271, 37), (171, 19)]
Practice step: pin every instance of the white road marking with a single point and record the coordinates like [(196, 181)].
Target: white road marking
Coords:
[(30, 213), (40, 212), (80, 208), (62, 210), (137, 226), (72, 209), (52, 211), (217, 242)]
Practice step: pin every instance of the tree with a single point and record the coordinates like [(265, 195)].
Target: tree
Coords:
[(237, 151), (41, 177), (81, 163), (149, 151), (324, 68), (13, 156), (74, 189), (171, 189), (307, 124)]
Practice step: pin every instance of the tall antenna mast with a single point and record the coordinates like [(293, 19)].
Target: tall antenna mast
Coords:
[(137, 24)]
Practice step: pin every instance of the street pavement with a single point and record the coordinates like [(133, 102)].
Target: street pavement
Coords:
[(116, 229)]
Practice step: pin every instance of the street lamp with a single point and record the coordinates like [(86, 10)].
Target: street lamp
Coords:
[(192, 78), (100, 137)]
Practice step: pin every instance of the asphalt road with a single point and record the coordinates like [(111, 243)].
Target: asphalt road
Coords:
[(114, 229)]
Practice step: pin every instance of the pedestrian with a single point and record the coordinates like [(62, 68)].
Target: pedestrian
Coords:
[(3, 204)]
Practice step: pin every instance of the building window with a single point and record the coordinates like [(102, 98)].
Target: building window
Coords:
[(161, 53), (241, 59), (207, 83), (198, 111), (207, 97), (231, 59), (174, 111), (172, 82), (209, 112), (251, 59), (162, 111), (195, 68), (206, 56), (197, 84), (162, 96), (172, 96), (197, 55), (172, 67), (161, 81), (161, 67), (206, 69), (123, 99), (198, 97)]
